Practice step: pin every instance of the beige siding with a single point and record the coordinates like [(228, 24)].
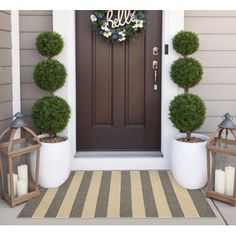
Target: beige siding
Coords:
[(31, 24), (5, 70), (217, 33)]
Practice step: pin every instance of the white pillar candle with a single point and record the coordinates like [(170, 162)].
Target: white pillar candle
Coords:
[(229, 180), (21, 188), (9, 184), (22, 172), (220, 181)]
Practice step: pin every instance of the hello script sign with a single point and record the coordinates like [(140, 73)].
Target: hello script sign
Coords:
[(124, 17)]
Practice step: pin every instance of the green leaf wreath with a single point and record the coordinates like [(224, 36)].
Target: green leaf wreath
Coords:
[(120, 34)]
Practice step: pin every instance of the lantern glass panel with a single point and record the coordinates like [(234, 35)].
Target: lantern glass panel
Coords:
[(25, 159), (5, 170), (30, 141), (220, 161)]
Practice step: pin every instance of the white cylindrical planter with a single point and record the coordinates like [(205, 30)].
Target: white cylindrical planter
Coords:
[(188, 162), (55, 163)]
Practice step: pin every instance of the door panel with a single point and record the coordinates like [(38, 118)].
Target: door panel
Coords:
[(117, 107)]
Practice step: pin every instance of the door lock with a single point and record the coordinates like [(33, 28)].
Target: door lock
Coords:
[(155, 51)]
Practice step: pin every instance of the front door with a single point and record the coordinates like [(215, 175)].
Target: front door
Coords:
[(117, 105)]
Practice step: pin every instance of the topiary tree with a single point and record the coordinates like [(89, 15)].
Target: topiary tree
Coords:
[(49, 75), (49, 44), (51, 113), (185, 43), (186, 72), (187, 111)]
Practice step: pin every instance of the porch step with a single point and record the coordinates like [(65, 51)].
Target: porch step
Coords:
[(120, 154)]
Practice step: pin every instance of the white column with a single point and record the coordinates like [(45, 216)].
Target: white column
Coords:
[(16, 97), (64, 24), (173, 22)]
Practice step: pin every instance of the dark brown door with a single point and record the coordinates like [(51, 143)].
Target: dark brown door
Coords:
[(117, 106)]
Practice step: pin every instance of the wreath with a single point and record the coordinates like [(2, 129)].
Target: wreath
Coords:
[(112, 31)]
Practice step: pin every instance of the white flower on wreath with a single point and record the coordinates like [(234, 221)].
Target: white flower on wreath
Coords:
[(105, 27), (122, 33), (138, 24), (93, 18), (123, 38), (107, 33)]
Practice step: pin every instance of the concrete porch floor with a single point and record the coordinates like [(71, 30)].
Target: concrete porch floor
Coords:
[(225, 214)]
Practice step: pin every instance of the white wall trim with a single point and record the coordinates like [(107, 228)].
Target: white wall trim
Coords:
[(64, 23), (16, 96), (173, 21)]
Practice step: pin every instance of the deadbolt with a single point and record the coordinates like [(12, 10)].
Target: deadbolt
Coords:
[(155, 51)]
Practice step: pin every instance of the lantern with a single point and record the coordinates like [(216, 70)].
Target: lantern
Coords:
[(19, 162), (221, 162)]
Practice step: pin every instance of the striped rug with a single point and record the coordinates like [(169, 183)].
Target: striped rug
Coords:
[(117, 194)]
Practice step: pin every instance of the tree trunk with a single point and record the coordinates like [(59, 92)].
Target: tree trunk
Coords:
[(51, 136), (186, 90), (188, 135)]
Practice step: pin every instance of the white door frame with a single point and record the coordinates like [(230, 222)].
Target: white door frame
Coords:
[(64, 23)]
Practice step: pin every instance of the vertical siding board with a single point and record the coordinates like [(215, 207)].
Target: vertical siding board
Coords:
[(217, 33), (31, 24)]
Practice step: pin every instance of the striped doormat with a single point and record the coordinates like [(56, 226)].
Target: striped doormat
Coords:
[(117, 194)]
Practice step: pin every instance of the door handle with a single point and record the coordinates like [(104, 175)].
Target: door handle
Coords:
[(155, 66)]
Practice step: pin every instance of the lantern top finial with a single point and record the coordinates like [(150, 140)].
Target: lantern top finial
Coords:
[(18, 122), (227, 122)]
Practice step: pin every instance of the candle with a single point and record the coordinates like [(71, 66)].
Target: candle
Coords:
[(22, 171), (9, 184), (220, 181), (229, 180), (21, 187)]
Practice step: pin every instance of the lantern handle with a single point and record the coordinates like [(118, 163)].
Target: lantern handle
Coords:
[(3, 133), (211, 137), (11, 139), (32, 133)]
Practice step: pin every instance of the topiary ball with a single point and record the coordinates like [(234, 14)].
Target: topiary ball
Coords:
[(51, 114), (49, 44), (187, 112), (186, 72), (49, 75), (185, 42)]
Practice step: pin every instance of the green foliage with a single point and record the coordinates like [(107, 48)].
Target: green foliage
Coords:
[(187, 112), (51, 114), (49, 75), (49, 44), (185, 42), (186, 72)]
